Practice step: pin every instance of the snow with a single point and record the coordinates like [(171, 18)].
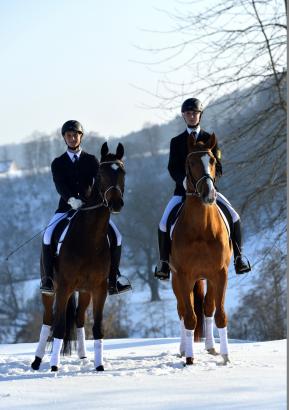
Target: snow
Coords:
[(147, 374)]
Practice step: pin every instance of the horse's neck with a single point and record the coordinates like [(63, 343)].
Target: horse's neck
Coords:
[(95, 222), (201, 217)]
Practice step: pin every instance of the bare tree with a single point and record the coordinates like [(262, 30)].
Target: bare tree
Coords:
[(145, 198), (261, 314), (232, 55)]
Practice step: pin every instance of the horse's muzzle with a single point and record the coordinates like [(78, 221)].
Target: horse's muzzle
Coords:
[(115, 205), (210, 198)]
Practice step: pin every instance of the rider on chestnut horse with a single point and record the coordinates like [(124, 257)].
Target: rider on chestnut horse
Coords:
[(192, 110), (73, 172)]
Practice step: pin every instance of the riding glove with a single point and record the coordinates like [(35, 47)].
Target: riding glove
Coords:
[(75, 203)]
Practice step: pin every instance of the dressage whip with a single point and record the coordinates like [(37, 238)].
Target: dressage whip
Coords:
[(34, 236)]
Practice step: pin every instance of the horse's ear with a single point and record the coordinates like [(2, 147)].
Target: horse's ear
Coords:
[(104, 150), (212, 141), (119, 151)]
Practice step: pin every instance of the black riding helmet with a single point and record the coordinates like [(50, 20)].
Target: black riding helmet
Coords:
[(71, 125), (192, 104)]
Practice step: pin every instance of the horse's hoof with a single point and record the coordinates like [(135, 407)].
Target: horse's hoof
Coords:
[(54, 368), (100, 368), (189, 361), (225, 359), (83, 357), (182, 354), (36, 364), (213, 351)]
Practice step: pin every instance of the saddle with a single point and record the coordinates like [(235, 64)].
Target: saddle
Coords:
[(64, 226), (223, 210), (173, 217), (60, 232)]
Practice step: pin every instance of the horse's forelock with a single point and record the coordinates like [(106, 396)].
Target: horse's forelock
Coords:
[(109, 157)]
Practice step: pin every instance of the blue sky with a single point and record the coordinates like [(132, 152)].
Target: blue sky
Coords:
[(72, 59)]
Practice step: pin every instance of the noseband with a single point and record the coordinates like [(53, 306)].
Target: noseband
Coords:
[(200, 180)]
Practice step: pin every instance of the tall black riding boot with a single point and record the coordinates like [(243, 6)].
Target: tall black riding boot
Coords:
[(164, 248), (242, 265), (46, 270), (114, 286)]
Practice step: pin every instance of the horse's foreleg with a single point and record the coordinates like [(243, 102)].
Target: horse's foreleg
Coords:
[(183, 338), (220, 314), (181, 313), (190, 320), (99, 298), (40, 351), (209, 308), (83, 302), (59, 324), (45, 331)]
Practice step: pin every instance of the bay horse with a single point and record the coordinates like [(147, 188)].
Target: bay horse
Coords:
[(83, 265), (201, 249)]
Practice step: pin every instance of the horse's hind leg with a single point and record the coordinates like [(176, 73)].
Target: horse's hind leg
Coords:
[(62, 297), (220, 314), (209, 308), (45, 331), (99, 297), (83, 302)]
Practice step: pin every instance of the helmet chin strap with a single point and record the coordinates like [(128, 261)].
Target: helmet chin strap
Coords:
[(193, 127), (73, 149)]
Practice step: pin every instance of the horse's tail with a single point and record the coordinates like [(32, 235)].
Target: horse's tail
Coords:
[(199, 294), (70, 325)]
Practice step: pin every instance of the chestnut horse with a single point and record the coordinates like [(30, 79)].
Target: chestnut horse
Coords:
[(83, 265), (201, 249)]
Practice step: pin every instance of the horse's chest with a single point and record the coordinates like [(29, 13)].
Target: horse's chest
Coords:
[(201, 254)]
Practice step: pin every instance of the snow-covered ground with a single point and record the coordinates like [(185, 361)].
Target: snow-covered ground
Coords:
[(147, 374)]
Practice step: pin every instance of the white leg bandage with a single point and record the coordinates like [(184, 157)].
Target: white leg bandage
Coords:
[(224, 348), (183, 337), (44, 335), (55, 356), (81, 348), (98, 352), (189, 334), (209, 333)]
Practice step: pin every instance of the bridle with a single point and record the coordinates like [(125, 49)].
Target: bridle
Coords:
[(200, 180), (104, 195)]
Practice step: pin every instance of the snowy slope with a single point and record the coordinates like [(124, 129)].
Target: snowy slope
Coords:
[(147, 374)]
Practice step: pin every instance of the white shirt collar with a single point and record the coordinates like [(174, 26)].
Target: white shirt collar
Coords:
[(71, 154), (197, 130)]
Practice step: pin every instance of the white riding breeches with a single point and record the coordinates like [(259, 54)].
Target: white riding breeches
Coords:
[(176, 199), (234, 214), (117, 233), (50, 227), (59, 216)]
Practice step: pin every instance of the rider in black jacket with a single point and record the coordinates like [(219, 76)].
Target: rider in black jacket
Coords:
[(192, 110), (73, 173)]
